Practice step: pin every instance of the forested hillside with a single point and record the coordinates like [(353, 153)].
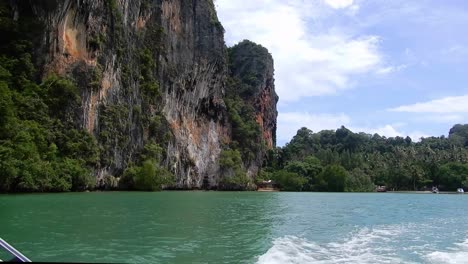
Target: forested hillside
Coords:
[(345, 161), (40, 147)]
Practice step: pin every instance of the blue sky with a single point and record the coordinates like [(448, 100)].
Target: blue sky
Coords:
[(397, 68)]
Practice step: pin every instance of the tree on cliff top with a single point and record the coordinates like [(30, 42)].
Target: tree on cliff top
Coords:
[(248, 63)]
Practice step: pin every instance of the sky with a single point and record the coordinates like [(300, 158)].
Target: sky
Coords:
[(396, 68)]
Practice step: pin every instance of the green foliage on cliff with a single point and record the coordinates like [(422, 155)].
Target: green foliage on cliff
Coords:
[(345, 161), (148, 83), (61, 96), (247, 65), (234, 176), (246, 132), (213, 16), (41, 148), (147, 177)]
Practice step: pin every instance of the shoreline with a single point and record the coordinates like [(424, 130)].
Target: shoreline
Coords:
[(199, 190), (424, 192), (267, 190)]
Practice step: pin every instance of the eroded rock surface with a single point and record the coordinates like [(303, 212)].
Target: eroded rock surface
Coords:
[(148, 71)]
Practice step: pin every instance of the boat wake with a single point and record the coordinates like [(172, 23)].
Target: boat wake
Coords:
[(379, 245), (455, 255), (366, 246)]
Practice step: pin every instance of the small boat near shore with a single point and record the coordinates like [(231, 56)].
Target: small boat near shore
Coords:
[(460, 190), (435, 190), (381, 189), (267, 186)]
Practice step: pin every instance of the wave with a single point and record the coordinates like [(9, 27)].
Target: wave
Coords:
[(402, 243), (455, 255), (365, 246)]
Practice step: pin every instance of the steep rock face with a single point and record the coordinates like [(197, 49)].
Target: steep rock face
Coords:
[(149, 72), (106, 45), (252, 70), (193, 101)]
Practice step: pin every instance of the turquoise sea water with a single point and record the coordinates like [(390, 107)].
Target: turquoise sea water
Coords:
[(237, 227)]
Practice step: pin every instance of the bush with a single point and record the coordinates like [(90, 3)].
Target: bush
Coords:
[(289, 181), (81, 178), (359, 181), (332, 179), (453, 175), (234, 177), (148, 177), (61, 94)]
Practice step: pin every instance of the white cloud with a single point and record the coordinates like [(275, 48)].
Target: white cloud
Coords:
[(390, 130), (455, 53), (289, 123), (417, 135), (455, 50), (309, 61), (386, 130), (444, 118), (337, 4), (354, 9), (391, 69), (452, 104)]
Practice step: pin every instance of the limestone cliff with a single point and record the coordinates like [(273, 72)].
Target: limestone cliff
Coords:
[(148, 72), (251, 78)]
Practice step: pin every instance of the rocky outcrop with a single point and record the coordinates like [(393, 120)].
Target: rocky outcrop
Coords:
[(252, 69), (148, 72)]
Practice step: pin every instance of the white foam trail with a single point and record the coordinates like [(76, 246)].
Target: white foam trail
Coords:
[(366, 246), (456, 255)]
